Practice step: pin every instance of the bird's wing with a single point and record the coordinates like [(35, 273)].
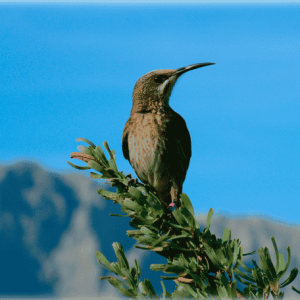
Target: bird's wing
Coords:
[(125, 140), (179, 144)]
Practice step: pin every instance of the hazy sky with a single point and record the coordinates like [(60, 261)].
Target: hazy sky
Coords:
[(68, 71), (154, 1)]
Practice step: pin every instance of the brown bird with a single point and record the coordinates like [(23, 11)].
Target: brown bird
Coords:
[(155, 139)]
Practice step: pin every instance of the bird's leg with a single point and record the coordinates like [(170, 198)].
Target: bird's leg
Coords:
[(175, 194), (131, 181)]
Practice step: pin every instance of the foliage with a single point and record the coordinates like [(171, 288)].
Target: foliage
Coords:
[(201, 264)]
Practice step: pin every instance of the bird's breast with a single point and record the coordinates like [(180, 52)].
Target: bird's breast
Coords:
[(147, 143)]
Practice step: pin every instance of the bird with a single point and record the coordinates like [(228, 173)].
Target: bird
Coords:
[(155, 139)]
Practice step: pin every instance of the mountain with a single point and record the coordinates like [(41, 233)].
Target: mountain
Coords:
[(52, 224)]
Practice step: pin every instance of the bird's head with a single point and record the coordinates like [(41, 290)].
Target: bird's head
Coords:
[(152, 91)]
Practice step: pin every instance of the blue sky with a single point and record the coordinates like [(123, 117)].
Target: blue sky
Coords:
[(68, 71), (155, 1)]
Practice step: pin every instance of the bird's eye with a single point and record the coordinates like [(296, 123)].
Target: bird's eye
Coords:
[(160, 78)]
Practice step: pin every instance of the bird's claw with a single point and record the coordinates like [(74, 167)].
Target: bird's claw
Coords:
[(132, 181)]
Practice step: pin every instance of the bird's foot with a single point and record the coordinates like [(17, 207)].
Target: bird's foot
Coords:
[(128, 176), (174, 205), (132, 181)]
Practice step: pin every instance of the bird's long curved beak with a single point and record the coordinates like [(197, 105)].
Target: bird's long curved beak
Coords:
[(191, 67)]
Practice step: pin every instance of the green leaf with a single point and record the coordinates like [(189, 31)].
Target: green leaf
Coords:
[(290, 279), (103, 261), (266, 264), (281, 258), (113, 165), (243, 281), (157, 267), (116, 215), (155, 202), (174, 246), (86, 150), (250, 253), (169, 277), (137, 194), (133, 275), (119, 285), (276, 253), (97, 176), (222, 292), (165, 293), (182, 236), (294, 289), (189, 218), (245, 276), (136, 222), (147, 231), (146, 288), (184, 291), (209, 216), (237, 253), (78, 167), (99, 154), (118, 248), (138, 269), (177, 213), (111, 155), (161, 239), (116, 268), (281, 264), (245, 266), (226, 235), (187, 203), (134, 233), (196, 278), (233, 289), (113, 152), (256, 273), (154, 248), (86, 141), (132, 205), (177, 226), (96, 166), (189, 291), (145, 240), (108, 195), (174, 269), (214, 256)]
